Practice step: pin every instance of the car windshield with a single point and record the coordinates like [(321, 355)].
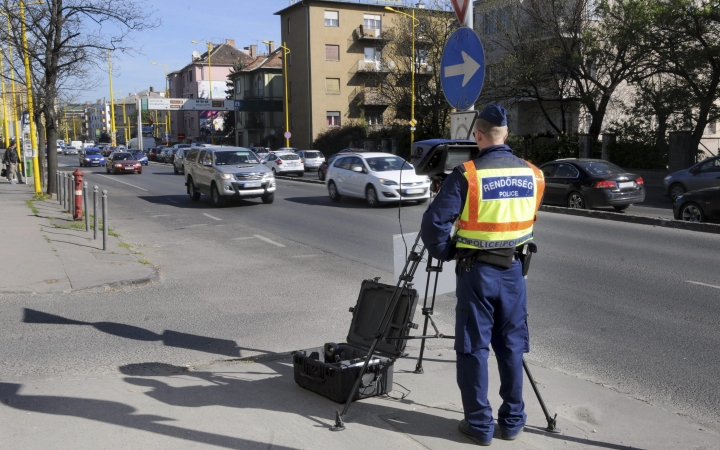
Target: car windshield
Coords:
[(388, 163), (136, 152), (313, 155), (123, 157), (601, 168), (289, 157), (92, 152), (232, 158)]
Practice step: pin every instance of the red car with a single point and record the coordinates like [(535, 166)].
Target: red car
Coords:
[(122, 163)]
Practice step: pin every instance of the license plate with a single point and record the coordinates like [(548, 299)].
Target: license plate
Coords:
[(251, 185), (626, 184), (414, 191), (129, 168)]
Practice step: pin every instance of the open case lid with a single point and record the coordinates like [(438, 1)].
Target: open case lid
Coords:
[(369, 311)]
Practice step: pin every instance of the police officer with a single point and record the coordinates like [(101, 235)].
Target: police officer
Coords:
[(492, 201)]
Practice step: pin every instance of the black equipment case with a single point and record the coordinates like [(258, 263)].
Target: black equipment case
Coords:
[(331, 370)]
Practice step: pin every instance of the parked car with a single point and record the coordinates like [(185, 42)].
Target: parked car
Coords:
[(122, 162), (179, 160), (311, 159), (170, 155), (698, 206), (376, 177), (227, 173), (153, 152), (704, 174), (287, 149), (140, 156), (161, 156), (322, 170), (591, 183), (92, 157), (284, 163), (262, 152), (70, 150)]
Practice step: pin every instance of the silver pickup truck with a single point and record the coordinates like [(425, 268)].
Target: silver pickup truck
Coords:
[(227, 173)]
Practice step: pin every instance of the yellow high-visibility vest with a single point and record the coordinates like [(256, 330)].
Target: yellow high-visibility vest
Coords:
[(501, 205)]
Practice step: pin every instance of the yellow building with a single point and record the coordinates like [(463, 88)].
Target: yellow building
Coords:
[(336, 57)]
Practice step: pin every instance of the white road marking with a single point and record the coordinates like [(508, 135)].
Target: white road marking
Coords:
[(269, 241), (703, 284), (212, 217), (243, 238), (171, 200), (114, 179), (162, 215), (193, 226)]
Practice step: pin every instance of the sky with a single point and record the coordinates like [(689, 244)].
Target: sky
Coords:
[(248, 22)]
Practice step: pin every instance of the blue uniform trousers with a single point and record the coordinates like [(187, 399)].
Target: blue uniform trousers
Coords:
[(491, 309)]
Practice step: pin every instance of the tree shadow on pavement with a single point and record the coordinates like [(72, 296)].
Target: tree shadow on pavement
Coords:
[(115, 413), (169, 338)]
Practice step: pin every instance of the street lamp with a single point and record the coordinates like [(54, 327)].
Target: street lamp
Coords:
[(209, 47), (286, 51), (167, 95), (415, 23), (113, 131)]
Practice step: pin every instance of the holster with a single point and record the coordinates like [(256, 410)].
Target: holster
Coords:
[(524, 255)]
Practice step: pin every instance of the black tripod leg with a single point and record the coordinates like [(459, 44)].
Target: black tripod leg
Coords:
[(405, 278), (436, 270), (552, 422)]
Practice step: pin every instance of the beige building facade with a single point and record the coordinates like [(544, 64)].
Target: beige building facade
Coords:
[(336, 54)]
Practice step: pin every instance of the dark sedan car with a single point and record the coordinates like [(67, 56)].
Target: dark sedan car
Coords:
[(153, 152), (591, 183), (170, 155), (122, 163), (698, 206)]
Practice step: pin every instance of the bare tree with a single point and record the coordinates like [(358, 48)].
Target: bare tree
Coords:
[(64, 35)]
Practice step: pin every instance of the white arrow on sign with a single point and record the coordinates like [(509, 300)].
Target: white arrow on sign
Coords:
[(468, 68)]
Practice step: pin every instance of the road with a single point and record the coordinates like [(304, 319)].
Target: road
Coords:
[(632, 307)]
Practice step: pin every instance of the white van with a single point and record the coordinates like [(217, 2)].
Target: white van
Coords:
[(147, 142)]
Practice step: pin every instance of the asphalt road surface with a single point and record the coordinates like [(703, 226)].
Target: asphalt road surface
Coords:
[(634, 307)]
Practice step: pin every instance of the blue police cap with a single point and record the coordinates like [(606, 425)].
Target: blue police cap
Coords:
[(495, 114)]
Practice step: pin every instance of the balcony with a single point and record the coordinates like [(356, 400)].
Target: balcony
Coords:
[(377, 67), (364, 96), (256, 121), (371, 34)]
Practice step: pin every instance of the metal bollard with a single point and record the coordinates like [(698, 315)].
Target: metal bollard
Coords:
[(65, 197), (85, 206), (71, 193), (57, 186), (95, 214), (104, 219)]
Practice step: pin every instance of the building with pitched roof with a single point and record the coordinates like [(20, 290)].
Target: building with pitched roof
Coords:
[(259, 85), (194, 81)]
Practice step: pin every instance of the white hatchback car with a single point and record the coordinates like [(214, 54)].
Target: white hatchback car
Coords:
[(283, 163), (376, 177), (311, 159)]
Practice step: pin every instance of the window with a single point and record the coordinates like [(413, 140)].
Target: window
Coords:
[(711, 166), (372, 22), (548, 170), (566, 171), (343, 163), (189, 76), (333, 118), (288, 25), (332, 52), (289, 91), (332, 19), (422, 57), (332, 85), (374, 117), (207, 158)]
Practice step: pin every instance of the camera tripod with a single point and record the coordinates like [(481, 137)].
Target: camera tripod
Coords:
[(404, 281)]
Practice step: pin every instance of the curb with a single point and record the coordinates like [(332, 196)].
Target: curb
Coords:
[(123, 283), (640, 220), (301, 180)]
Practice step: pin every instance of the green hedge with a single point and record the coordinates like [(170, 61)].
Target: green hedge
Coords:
[(637, 155)]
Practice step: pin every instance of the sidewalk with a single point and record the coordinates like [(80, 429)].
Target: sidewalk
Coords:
[(49, 257), (257, 405)]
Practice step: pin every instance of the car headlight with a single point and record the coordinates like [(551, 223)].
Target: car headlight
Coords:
[(268, 175), (87, 159), (226, 176), (385, 182), (118, 165)]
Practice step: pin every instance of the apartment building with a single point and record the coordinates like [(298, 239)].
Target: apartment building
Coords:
[(204, 77), (260, 122), (336, 56), (97, 120), (126, 117)]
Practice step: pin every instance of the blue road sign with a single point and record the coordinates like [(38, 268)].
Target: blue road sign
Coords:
[(462, 68)]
